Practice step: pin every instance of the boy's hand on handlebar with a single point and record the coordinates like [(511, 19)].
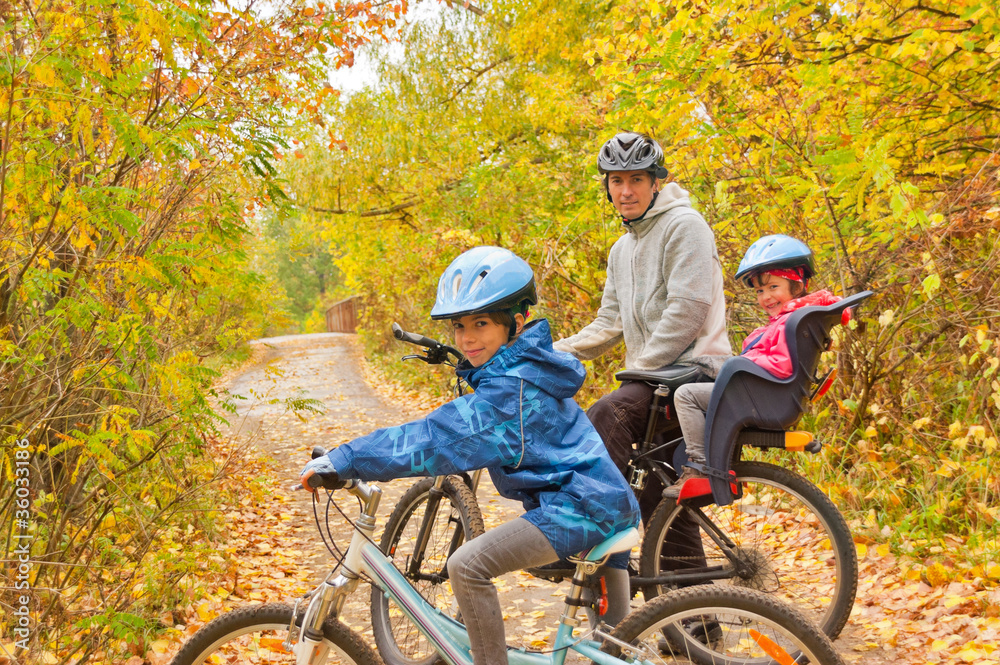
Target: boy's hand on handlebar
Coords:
[(326, 479), (320, 472)]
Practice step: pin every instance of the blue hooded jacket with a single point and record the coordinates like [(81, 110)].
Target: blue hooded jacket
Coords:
[(523, 425)]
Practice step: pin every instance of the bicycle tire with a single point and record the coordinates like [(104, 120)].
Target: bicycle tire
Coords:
[(256, 634), (666, 626), (780, 518), (398, 640)]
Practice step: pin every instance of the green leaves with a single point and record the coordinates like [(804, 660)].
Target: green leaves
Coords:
[(931, 284)]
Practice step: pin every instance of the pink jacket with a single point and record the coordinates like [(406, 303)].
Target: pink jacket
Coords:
[(771, 351)]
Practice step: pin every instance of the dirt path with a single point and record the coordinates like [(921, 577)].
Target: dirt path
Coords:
[(324, 367)]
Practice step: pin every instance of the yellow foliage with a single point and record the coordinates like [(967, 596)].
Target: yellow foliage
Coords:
[(936, 574)]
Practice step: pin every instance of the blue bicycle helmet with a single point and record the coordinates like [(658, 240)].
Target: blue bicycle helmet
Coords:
[(484, 279), (774, 252)]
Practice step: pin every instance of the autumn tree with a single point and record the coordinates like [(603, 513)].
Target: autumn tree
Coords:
[(484, 131), (301, 263), (137, 140), (870, 130)]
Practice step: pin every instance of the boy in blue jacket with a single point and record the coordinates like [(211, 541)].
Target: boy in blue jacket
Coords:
[(524, 427)]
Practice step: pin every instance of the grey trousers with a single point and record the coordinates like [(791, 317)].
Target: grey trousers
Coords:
[(512, 546), (690, 404)]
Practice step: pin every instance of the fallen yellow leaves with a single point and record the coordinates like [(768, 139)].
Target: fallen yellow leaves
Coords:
[(936, 574), (899, 612), (205, 612)]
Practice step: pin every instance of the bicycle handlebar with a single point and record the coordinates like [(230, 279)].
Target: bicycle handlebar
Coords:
[(437, 352), (413, 338)]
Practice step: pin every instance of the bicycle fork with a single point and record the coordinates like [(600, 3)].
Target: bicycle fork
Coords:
[(426, 526), (329, 598), (434, 497)]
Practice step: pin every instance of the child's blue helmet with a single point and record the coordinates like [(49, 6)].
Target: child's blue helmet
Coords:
[(773, 253), (484, 279)]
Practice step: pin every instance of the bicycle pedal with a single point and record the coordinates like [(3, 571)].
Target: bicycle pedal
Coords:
[(637, 477)]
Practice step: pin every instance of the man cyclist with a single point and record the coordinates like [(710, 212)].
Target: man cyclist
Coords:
[(663, 295)]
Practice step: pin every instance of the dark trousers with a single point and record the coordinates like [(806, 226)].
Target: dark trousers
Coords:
[(621, 418)]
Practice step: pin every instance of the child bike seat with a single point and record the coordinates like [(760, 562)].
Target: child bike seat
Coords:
[(671, 376), (748, 396)]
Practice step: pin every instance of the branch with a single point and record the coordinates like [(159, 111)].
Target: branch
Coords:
[(378, 212), (408, 202), (572, 283), (928, 338), (476, 74), (934, 10), (469, 6)]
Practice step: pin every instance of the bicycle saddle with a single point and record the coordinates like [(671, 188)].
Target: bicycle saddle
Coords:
[(671, 376), (564, 568), (620, 542)]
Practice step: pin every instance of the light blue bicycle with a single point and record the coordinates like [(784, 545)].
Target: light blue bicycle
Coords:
[(703, 625)]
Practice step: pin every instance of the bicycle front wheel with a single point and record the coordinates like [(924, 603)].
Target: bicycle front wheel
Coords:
[(788, 536), (721, 625), (455, 520), (257, 635)]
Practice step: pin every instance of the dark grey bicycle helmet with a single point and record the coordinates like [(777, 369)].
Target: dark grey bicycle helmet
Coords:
[(629, 151)]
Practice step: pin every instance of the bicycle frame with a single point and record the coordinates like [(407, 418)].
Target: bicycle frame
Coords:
[(449, 637), (642, 463)]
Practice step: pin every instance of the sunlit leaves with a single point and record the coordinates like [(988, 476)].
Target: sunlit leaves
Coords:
[(138, 140), (868, 130), (475, 136)]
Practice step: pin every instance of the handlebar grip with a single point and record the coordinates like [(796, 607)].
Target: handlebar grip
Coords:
[(326, 479), (413, 338)]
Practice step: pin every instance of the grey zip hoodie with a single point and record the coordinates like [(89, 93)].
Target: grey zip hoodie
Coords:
[(663, 294)]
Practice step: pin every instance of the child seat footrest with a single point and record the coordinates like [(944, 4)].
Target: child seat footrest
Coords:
[(699, 487), (711, 471), (794, 441)]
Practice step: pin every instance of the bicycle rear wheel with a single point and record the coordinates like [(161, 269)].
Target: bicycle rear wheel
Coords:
[(721, 625), (456, 520), (790, 538), (257, 635)]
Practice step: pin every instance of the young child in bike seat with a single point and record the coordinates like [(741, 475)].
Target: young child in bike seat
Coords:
[(521, 424), (778, 268)]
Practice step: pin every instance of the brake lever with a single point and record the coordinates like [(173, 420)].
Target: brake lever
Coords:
[(437, 356), (414, 356)]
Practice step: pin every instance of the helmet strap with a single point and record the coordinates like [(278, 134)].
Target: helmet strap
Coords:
[(628, 222)]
